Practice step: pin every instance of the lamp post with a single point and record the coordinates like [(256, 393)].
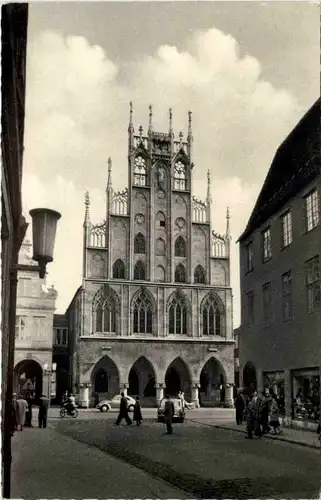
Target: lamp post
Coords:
[(49, 372), (44, 225)]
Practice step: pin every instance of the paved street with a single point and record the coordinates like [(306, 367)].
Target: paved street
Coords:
[(93, 458)]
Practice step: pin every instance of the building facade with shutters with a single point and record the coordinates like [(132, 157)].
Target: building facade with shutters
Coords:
[(154, 311), (280, 252), (34, 330)]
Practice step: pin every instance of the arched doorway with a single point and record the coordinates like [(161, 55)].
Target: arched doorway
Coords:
[(141, 379), (28, 378), (105, 379), (249, 377), (177, 379), (212, 382)]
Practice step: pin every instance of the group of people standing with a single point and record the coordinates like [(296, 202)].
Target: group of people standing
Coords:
[(261, 413), (22, 411)]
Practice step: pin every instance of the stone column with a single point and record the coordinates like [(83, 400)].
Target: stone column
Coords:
[(288, 397), (195, 395), (123, 387), (84, 398), (229, 403), (159, 392)]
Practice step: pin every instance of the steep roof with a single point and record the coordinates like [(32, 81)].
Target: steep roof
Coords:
[(295, 164)]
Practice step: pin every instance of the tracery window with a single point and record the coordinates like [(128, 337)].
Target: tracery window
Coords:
[(199, 274), (180, 274), (180, 247), (180, 176), (178, 316), (139, 271), (104, 312), (212, 317), (139, 244), (140, 172), (142, 314), (119, 270)]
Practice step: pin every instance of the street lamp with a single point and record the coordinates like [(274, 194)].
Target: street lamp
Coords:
[(44, 225), (49, 372)]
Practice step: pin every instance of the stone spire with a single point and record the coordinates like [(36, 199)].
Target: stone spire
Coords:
[(228, 231), (208, 195), (109, 180), (130, 129), (170, 131), (189, 135), (150, 127), (87, 205)]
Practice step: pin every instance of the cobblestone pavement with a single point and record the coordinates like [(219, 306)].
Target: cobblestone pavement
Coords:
[(205, 461)]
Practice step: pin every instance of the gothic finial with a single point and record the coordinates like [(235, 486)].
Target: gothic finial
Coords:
[(150, 128), (130, 126), (189, 124), (181, 137), (209, 197), (87, 204), (109, 181), (170, 122), (141, 130), (228, 221)]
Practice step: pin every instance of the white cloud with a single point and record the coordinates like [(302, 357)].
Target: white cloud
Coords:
[(77, 113)]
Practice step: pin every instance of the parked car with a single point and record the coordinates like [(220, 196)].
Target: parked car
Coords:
[(108, 404), (179, 411)]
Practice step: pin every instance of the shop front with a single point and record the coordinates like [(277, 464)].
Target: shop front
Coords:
[(306, 394), (274, 381)]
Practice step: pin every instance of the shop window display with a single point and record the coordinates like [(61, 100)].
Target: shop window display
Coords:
[(306, 397)]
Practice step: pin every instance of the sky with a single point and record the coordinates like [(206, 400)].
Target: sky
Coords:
[(247, 70)]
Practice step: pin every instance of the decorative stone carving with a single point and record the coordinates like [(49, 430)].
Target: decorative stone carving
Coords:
[(161, 194), (180, 222), (140, 218)]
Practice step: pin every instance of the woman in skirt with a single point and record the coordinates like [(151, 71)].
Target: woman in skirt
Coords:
[(274, 416), (138, 412)]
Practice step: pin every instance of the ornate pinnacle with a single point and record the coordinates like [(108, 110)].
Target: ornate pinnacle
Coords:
[(109, 182), (189, 136), (141, 130), (150, 128), (170, 122), (87, 204), (227, 221), (130, 126), (181, 137), (209, 197)]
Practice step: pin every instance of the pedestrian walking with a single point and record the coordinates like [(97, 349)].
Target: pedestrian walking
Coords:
[(14, 413), (123, 411), (21, 408), (43, 411), (265, 411), (257, 407), (274, 416), (138, 418), (29, 400), (253, 415), (239, 408), (168, 414), (250, 418)]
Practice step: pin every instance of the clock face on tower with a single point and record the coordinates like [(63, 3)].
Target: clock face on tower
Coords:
[(140, 218)]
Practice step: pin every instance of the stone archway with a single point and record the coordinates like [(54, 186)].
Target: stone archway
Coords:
[(28, 378), (249, 377), (141, 379), (212, 383), (177, 378), (105, 379)]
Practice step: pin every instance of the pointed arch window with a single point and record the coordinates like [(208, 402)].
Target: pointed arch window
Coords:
[(160, 246), (104, 312), (139, 244), (212, 317), (199, 274), (177, 316), (140, 172), (180, 176), (142, 314), (139, 271), (119, 270), (180, 247), (180, 274)]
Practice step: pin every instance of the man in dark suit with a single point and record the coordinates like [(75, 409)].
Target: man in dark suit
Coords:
[(168, 415), (123, 411), (43, 411)]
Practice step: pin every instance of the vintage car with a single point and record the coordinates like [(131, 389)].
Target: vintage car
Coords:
[(179, 411), (108, 404)]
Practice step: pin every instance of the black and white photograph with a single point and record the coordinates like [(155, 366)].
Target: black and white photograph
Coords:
[(160, 249)]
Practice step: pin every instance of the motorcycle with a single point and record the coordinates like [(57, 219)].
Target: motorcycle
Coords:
[(72, 412)]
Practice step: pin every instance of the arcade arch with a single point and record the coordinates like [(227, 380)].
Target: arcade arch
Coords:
[(178, 378), (142, 379), (28, 378), (212, 383), (105, 378)]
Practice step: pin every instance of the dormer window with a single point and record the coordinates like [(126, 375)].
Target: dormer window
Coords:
[(180, 176), (140, 172)]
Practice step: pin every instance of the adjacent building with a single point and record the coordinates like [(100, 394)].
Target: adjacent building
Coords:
[(61, 356), (280, 252), (154, 311), (34, 330)]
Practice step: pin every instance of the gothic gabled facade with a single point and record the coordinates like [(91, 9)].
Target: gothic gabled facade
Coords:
[(155, 306)]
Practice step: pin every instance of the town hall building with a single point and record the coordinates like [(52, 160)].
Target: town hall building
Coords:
[(154, 311)]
